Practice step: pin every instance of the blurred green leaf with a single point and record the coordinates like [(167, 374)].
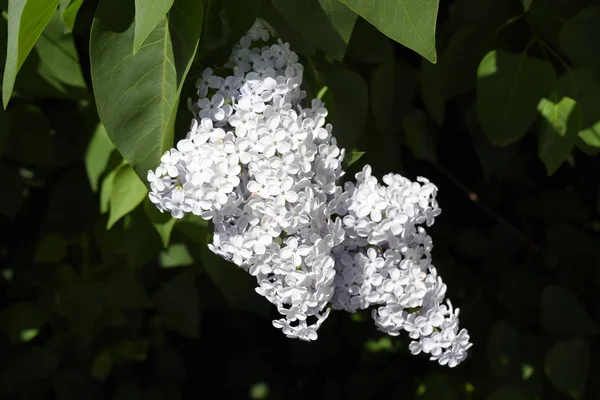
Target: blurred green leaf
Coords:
[(574, 320), (102, 365), (137, 95), (148, 14), (106, 189), (97, 155), (509, 88), (582, 85), (558, 132), (26, 21), (461, 58), (326, 23), (176, 255), (163, 222), (437, 387), (417, 30), (567, 366), (58, 55), (69, 10), (81, 301), (21, 321), (50, 249), (502, 351), (353, 157), (127, 192), (177, 303), (526, 4)]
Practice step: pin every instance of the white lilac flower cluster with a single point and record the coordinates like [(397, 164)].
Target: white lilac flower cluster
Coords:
[(265, 170)]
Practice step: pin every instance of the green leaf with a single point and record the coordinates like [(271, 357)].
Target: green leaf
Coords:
[(353, 157), (102, 365), (127, 192), (69, 10), (177, 255), (106, 189), (58, 55), (580, 38), (21, 321), (567, 367), (137, 95), (97, 155), (350, 105), (562, 122), (163, 222), (582, 85), (81, 301), (148, 14), (526, 4), (461, 59), (51, 249), (509, 88), (326, 23), (409, 22), (342, 18), (177, 303), (26, 21), (574, 320)]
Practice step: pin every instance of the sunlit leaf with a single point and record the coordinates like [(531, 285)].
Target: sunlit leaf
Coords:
[(97, 155), (127, 192), (562, 122), (69, 10), (509, 88), (163, 222)]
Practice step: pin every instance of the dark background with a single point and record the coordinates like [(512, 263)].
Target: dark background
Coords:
[(87, 313)]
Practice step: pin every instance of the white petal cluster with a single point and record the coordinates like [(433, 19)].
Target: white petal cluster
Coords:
[(265, 170)]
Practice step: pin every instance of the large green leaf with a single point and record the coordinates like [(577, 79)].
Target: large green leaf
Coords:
[(127, 192), (581, 84), (327, 24), (148, 14), (509, 88), (26, 21), (562, 121), (567, 366), (409, 22), (137, 95)]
